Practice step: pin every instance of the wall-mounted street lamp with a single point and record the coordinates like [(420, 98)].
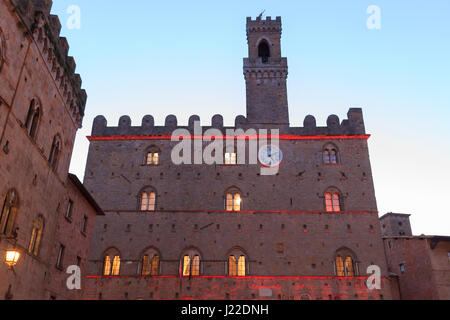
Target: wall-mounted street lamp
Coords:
[(12, 256)]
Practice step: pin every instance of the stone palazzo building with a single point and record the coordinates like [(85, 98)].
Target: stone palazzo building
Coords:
[(225, 230), (47, 216)]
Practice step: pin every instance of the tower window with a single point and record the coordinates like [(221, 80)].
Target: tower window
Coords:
[(150, 266), (233, 202), (330, 154), (264, 51), (231, 158), (152, 158), (332, 202), (148, 201)]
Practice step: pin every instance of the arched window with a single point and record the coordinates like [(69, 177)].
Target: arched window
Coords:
[(111, 262), (150, 263), (55, 152), (333, 201), (8, 214), (330, 154), (152, 156), (36, 236), (191, 263), (148, 200), (231, 158), (345, 263), (233, 200), (33, 116), (264, 51), (237, 263)]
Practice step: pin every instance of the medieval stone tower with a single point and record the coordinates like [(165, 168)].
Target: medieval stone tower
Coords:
[(225, 231)]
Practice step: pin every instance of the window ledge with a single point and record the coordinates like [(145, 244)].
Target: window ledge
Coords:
[(68, 219)]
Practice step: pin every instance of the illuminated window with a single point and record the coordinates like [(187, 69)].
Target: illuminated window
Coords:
[(231, 158), (155, 265), (191, 264), (330, 154), (8, 214), (186, 266), (332, 202), (349, 267), (340, 271), (345, 263), (241, 266), (150, 264), (115, 271), (111, 263), (107, 266), (196, 266), (232, 270), (148, 201), (145, 265), (36, 236), (233, 201), (152, 158), (33, 116), (55, 152), (237, 263)]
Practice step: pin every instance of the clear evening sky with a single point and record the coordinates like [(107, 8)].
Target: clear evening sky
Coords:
[(143, 57)]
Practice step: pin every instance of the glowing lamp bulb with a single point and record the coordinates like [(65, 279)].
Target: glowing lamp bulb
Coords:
[(12, 257)]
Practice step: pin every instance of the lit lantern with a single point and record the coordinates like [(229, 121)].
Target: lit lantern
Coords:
[(12, 257)]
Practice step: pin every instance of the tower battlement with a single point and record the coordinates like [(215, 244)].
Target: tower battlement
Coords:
[(264, 25), (353, 125), (45, 29)]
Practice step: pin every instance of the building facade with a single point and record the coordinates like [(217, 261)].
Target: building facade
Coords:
[(41, 108), (421, 263), (174, 229)]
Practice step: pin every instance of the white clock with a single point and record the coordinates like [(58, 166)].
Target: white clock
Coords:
[(270, 156)]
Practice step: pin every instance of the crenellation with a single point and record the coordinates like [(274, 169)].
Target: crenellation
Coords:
[(352, 126), (45, 29)]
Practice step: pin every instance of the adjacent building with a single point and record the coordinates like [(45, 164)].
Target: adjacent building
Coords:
[(421, 263), (47, 216)]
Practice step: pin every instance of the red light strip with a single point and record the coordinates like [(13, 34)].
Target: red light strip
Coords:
[(246, 277), (243, 137), (240, 212)]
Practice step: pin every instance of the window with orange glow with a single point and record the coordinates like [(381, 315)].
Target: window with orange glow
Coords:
[(148, 201), (349, 267), (186, 266), (233, 202), (241, 266), (232, 270), (152, 158), (145, 265), (36, 236), (107, 266), (155, 265), (332, 202), (8, 214), (196, 266), (340, 270), (115, 271)]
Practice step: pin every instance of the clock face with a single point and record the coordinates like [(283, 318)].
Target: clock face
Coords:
[(270, 156)]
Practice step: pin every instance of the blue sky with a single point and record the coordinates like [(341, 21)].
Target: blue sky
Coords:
[(185, 57)]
